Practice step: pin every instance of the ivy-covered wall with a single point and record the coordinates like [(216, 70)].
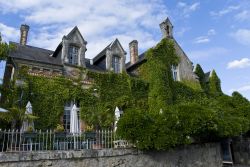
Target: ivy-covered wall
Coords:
[(159, 113), (182, 112)]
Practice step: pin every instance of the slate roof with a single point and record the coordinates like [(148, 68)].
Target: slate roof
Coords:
[(32, 53), (92, 67), (103, 52), (140, 60), (143, 59), (40, 55)]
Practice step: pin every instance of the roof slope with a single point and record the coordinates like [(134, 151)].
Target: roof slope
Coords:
[(143, 58), (103, 52), (32, 53)]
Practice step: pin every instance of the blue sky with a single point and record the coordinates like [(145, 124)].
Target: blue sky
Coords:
[(213, 33)]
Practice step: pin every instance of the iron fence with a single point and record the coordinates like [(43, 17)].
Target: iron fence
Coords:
[(17, 141)]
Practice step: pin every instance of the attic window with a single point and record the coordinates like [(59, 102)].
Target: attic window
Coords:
[(73, 55), (116, 65)]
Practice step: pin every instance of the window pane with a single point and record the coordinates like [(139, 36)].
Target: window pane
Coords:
[(73, 55), (116, 64)]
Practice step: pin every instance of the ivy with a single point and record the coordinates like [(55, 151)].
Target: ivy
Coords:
[(202, 78), (214, 84), (159, 113), (157, 72)]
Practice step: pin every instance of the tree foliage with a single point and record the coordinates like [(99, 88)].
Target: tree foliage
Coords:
[(159, 113), (202, 78), (182, 112), (4, 49), (157, 72), (214, 84)]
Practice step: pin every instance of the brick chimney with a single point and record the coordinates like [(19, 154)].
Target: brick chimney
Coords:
[(133, 48), (24, 29)]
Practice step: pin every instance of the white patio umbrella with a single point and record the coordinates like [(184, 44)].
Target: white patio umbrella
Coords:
[(3, 110), (74, 126), (26, 123), (117, 117)]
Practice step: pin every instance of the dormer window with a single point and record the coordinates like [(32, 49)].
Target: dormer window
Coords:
[(73, 55), (175, 73), (116, 64)]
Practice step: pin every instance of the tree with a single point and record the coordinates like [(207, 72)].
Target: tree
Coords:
[(238, 99), (214, 84), (200, 73), (4, 49), (16, 116)]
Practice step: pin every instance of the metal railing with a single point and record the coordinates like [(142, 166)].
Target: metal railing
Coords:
[(18, 141)]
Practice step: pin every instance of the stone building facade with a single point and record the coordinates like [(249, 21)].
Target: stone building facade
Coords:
[(69, 57), (184, 70)]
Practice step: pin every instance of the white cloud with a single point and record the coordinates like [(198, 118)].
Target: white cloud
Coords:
[(206, 38), (225, 11), (8, 33), (211, 32), (242, 36), (99, 22), (243, 63), (243, 16), (207, 53), (182, 30), (201, 39), (188, 9)]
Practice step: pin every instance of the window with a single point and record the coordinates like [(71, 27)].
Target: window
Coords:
[(66, 120), (167, 30), (66, 117), (116, 64), (175, 73), (73, 55)]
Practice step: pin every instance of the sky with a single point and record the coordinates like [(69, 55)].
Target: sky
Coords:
[(213, 33)]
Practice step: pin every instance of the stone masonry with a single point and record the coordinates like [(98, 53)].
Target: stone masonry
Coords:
[(206, 155)]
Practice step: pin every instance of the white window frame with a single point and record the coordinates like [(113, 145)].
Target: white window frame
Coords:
[(67, 108), (73, 54), (116, 63), (175, 72)]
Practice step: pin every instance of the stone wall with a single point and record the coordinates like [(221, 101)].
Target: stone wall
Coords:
[(241, 151), (207, 155)]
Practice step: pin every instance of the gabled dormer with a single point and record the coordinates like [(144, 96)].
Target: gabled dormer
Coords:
[(111, 58), (72, 49)]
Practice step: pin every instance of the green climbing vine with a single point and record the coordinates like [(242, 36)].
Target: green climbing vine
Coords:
[(159, 113), (182, 112)]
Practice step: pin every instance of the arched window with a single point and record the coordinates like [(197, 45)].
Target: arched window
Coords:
[(73, 55)]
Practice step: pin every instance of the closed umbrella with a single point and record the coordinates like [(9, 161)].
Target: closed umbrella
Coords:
[(3, 110), (118, 114), (74, 126), (26, 124)]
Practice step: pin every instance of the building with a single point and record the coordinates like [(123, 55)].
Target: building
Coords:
[(70, 55)]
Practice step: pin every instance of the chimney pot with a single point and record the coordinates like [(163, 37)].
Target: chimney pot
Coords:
[(24, 29), (133, 48)]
